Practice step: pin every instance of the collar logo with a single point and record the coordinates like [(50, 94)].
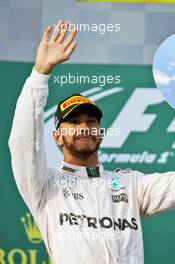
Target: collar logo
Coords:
[(93, 171), (69, 169)]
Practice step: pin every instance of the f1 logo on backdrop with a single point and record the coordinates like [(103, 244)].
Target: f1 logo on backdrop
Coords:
[(132, 120)]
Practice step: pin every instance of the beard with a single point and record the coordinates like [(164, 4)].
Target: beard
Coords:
[(81, 152)]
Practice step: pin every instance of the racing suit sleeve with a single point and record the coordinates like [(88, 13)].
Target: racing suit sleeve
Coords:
[(28, 158), (156, 192)]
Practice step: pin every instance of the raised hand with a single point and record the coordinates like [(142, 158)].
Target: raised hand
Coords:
[(56, 50)]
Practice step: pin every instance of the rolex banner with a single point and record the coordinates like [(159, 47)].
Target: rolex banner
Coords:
[(139, 132)]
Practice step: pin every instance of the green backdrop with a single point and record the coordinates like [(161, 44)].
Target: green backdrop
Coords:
[(148, 149)]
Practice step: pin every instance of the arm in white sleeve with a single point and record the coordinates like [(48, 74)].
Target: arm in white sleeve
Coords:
[(156, 192), (29, 164)]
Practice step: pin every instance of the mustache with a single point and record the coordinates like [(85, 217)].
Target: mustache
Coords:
[(83, 133)]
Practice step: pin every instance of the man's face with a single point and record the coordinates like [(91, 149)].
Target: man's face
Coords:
[(80, 134)]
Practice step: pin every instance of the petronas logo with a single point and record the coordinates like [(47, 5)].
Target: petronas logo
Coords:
[(31, 229)]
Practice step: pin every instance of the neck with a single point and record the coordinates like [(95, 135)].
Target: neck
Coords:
[(85, 160)]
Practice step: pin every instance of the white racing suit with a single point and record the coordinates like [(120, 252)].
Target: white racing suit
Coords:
[(82, 219)]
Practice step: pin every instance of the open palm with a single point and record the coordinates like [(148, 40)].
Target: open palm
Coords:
[(54, 51)]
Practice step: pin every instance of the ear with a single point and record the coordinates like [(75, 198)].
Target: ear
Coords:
[(101, 139), (57, 137)]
